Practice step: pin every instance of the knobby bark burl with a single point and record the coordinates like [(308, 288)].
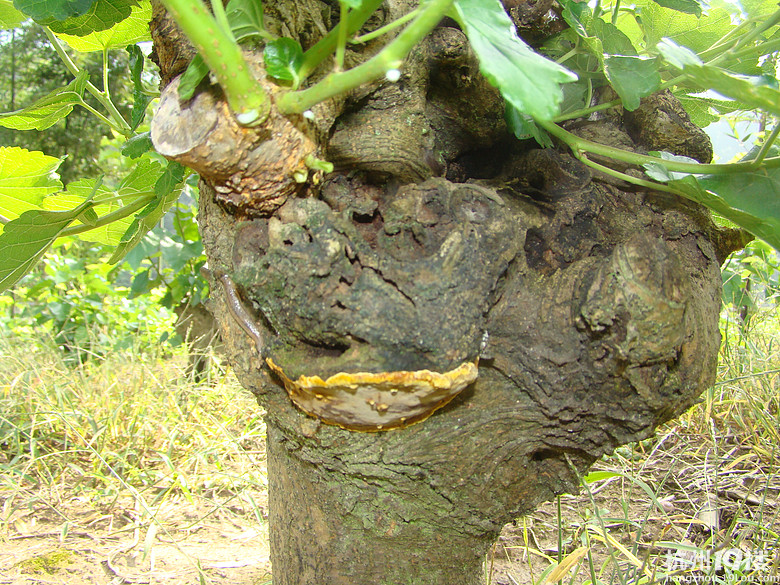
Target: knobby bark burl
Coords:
[(440, 240)]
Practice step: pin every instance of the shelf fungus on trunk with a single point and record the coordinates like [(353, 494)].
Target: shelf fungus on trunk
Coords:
[(361, 401), (371, 402)]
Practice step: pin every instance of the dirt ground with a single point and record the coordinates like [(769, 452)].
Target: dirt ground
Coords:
[(75, 542), (61, 538)]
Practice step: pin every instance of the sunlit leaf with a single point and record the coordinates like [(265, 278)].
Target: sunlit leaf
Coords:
[(26, 178), (79, 192), (756, 92), (10, 17), (25, 240), (140, 182), (758, 8), (566, 565), (699, 34), (167, 189), (700, 108), (128, 31), (48, 110), (687, 6), (528, 81), (100, 16), (48, 11)]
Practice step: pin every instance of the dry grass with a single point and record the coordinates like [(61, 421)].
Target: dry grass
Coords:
[(698, 503), (128, 465), (122, 470)]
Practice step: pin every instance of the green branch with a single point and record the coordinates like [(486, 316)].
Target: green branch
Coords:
[(325, 46), (768, 142), (370, 36), (119, 123), (224, 58), (341, 40), (581, 145), (625, 177), (120, 213), (391, 57), (100, 116)]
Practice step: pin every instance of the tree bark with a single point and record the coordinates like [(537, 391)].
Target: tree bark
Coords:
[(590, 308)]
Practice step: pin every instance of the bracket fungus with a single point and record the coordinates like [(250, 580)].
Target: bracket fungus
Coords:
[(361, 401), (369, 402)]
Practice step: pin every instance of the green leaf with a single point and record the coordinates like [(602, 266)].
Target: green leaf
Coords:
[(613, 40), (130, 30), (101, 16), (246, 19), (25, 240), (576, 14), (138, 145), (283, 58), (140, 182), (659, 172), (48, 11), (700, 108), (758, 8), (749, 199), (140, 98), (26, 178), (687, 6), (595, 476), (48, 110), (632, 78), (678, 56), (196, 71), (170, 178), (756, 92), (734, 291), (528, 81), (166, 194), (524, 127), (10, 17), (353, 4), (699, 34), (88, 217)]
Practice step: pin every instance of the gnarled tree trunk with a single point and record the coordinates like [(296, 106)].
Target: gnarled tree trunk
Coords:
[(439, 243)]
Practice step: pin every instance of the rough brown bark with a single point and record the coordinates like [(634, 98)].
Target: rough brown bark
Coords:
[(591, 309)]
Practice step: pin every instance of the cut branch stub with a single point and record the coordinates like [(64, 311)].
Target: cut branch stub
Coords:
[(252, 170)]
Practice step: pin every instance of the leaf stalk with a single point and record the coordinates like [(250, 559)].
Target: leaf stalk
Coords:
[(581, 145)]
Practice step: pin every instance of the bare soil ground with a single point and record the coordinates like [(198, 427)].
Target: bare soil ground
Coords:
[(669, 490), (67, 540)]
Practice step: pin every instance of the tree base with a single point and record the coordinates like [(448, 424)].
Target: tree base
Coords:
[(328, 528)]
